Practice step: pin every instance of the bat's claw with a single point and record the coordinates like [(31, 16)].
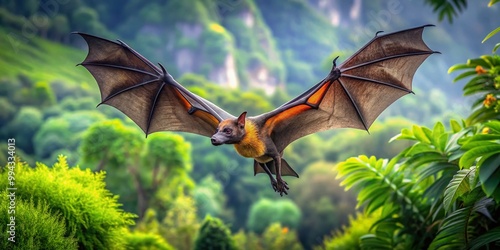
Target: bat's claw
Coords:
[(274, 184), (282, 187)]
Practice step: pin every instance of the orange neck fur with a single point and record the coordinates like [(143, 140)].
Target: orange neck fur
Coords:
[(251, 146)]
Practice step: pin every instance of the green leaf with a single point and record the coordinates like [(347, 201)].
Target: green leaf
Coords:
[(464, 75), (471, 155), (435, 168), (419, 133), (491, 33), (450, 234), (420, 159), (460, 67), (494, 125), (455, 126), (418, 148), (405, 134), (485, 239), (493, 2), (371, 241), (459, 184), (478, 61), (481, 114), (439, 137), (489, 175), (495, 48)]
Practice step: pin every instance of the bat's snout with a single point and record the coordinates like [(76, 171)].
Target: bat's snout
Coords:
[(215, 142)]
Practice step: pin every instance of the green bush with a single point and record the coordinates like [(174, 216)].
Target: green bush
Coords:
[(36, 227), (266, 212), (278, 237), (90, 213), (214, 234), (146, 241), (349, 237)]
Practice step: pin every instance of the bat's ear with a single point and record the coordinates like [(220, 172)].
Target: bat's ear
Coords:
[(241, 120)]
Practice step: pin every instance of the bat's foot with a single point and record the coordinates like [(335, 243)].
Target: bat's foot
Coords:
[(274, 184), (281, 186)]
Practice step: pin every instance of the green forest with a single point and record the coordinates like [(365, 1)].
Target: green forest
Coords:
[(426, 175)]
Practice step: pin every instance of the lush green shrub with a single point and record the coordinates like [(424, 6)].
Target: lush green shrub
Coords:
[(349, 237), (247, 241), (90, 213), (278, 237), (36, 226), (266, 212), (146, 241), (214, 234)]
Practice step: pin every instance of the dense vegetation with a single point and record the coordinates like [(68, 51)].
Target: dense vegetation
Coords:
[(434, 186)]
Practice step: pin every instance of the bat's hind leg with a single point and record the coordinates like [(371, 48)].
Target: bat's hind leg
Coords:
[(282, 186), (274, 183)]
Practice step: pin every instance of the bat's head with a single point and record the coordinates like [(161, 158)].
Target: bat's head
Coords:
[(230, 131)]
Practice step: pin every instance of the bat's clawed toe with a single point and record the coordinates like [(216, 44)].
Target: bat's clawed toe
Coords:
[(274, 184), (281, 187)]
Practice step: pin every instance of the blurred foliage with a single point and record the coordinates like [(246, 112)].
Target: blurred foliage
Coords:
[(210, 199), (280, 237), (30, 120), (146, 241), (452, 8), (180, 224), (95, 221), (348, 238), (266, 212), (324, 205), (214, 234)]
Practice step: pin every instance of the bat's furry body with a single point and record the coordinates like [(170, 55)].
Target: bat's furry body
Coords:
[(352, 95)]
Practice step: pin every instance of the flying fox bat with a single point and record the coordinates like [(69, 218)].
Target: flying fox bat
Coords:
[(352, 95)]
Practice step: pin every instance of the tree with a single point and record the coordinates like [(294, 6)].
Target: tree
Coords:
[(325, 207), (278, 237), (99, 144), (266, 212), (214, 234), (30, 120), (8, 110), (180, 224), (210, 198), (166, 154), (63, 132)]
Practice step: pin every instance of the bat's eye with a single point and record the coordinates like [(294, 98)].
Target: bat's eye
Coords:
[(227, 131)]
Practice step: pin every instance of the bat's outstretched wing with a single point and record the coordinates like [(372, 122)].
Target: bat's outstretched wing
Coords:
[(147, 93), (354, 94)]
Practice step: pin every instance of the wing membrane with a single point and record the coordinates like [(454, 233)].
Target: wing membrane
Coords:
[(146, 93), (370, 80)]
